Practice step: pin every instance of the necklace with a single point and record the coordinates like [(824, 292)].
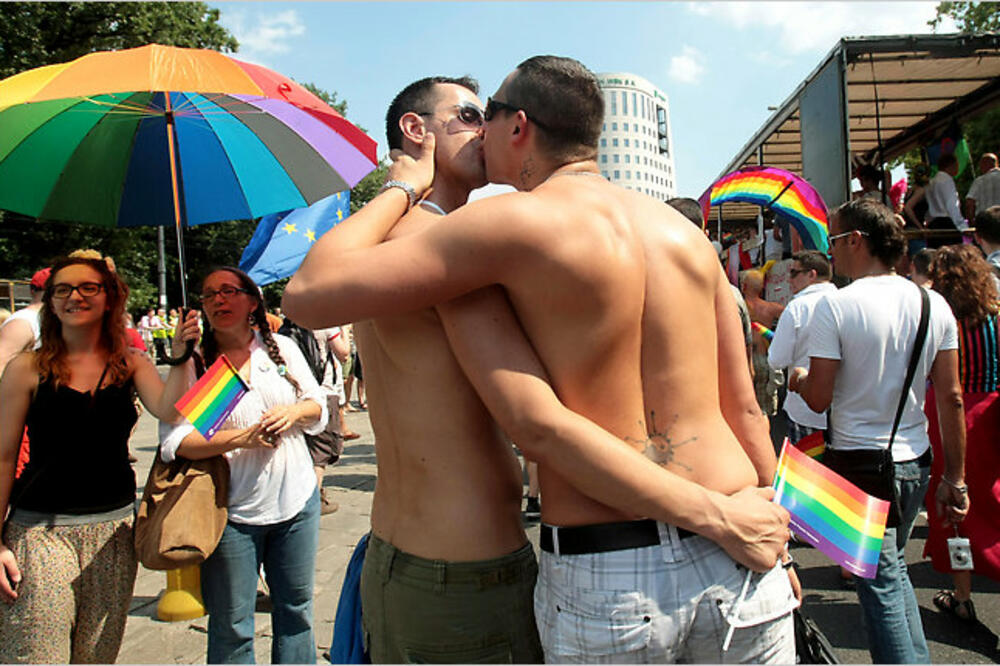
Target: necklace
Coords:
[(572, 173), (434, 207)]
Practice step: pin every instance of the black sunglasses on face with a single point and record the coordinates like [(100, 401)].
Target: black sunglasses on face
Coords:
[(470, 114), (493, 105)]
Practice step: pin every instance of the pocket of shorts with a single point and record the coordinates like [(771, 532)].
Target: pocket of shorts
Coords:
[(592, 622), (768, 599), (496, 653)]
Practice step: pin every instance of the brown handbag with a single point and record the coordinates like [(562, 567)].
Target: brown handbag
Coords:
[(182, 512)]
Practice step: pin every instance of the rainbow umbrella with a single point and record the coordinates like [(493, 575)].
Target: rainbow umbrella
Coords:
[(160, 135), (783, 192)]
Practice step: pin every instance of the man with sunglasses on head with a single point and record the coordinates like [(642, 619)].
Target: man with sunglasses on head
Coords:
[(569, 290), (809, 278), (446, 515)]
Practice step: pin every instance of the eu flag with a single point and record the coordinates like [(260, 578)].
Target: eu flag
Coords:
[(281, 240)]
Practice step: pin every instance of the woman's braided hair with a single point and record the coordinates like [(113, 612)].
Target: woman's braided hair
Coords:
[(258, 318)]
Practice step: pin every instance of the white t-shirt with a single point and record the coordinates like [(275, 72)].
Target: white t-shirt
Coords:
[(30, 317), (333, 374), (942, 199), (870, 327), (985, 190), (266, 486), (789, 345)]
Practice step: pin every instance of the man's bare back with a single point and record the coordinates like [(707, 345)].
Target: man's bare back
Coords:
[(449, 485)]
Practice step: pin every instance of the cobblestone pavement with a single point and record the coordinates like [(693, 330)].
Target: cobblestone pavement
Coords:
[(351, 483)]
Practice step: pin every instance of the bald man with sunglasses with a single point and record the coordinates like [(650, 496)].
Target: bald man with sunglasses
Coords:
[(592, 277)]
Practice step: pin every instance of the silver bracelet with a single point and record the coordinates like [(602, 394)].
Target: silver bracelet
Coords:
[(411, 194), (964, 488)]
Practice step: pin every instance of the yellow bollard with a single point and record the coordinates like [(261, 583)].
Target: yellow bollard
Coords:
[(182, 598)]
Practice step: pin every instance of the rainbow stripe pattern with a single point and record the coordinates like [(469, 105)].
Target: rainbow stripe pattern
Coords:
[(764, 331), (831, 513), (813, 445), (783, 192), (213, 398)]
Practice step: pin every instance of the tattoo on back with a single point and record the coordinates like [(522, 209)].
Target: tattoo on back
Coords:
[(659, 446)]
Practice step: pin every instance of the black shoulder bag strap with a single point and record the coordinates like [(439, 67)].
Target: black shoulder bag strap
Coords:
[(925, 315), (918, 345)]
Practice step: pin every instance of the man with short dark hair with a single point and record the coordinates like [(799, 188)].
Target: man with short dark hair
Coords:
[(943, 211), (985, 189), (809, 278), (582, 263), (860, 343), (988, 235)]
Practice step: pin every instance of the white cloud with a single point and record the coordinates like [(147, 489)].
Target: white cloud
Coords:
[(816, 26), (263, 34), (687, 67)]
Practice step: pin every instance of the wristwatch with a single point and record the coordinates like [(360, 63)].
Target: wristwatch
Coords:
[(411, 194)]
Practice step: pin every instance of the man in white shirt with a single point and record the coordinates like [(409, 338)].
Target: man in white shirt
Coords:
[(809, 278), (860, 344), (985, 190), (988, 235), (942, 201)]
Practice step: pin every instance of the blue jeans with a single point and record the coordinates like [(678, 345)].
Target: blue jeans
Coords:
[(229, 588), (888, 603)]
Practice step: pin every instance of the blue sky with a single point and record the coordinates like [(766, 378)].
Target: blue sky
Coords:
[(721, 64)]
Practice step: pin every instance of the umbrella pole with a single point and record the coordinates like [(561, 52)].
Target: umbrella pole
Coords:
[(171, 147)]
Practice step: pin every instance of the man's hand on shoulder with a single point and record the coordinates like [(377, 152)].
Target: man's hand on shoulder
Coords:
[(755, 528)]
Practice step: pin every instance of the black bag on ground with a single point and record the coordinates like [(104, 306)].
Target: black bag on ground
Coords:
[(811, 646)]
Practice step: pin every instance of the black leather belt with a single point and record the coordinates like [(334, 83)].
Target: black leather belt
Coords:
[(603, 538)]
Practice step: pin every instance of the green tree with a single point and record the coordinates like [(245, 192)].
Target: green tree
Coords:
[(969, 16), (329, 97)]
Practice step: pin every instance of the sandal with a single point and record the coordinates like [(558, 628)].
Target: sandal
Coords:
[(946, 601)]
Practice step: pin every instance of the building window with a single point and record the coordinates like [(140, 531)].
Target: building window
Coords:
[(604, 127), (614, 142), (615, 158), (628, 175), (618, 175), (604, 158), (604, 173), (624, 103), (614, 127), (635, 127), (628, 159), (604, 143), (614, 103), (626, 143)]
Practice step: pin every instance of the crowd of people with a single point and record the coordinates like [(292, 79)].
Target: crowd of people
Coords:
[(540, 318)]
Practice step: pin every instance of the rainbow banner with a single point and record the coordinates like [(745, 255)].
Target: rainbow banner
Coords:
[(213, 398), (781, 191), (830, 513), (764, 331)]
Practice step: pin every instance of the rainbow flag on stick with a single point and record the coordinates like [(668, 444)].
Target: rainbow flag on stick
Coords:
[(213, 398), (831, 513), (764, 331)]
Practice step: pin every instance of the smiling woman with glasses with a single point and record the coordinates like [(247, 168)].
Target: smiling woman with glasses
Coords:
[(73, 502)]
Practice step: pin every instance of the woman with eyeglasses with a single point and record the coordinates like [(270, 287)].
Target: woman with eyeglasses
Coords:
[(67, 563), (274, 504), (963, 277)]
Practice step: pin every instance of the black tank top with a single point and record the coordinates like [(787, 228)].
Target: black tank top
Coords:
[(78, 451)]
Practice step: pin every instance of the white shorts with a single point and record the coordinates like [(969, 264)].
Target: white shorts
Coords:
[(661, 603)]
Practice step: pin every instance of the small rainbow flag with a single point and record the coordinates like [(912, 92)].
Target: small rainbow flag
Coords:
[(213, 398), (812, 445), (831, 513), (764, 331)]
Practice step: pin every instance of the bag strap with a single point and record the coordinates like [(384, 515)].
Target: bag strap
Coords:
[(925, 313)]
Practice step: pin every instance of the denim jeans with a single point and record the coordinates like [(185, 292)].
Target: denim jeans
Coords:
[(229, 588), (888, 603)]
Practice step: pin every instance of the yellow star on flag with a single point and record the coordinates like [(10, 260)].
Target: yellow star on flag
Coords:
[(290, 228), (311, 235), (340, 214)]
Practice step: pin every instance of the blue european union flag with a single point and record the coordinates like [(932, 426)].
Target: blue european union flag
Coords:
[(281, 240)]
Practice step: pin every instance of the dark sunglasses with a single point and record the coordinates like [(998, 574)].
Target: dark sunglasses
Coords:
[(468, 113), (493, 105)]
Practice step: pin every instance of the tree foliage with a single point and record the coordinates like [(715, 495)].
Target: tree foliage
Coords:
[(969, 16), (33, 34)]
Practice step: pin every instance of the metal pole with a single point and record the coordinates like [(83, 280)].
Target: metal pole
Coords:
[(162, 266), (878, 132), (178, 225)]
